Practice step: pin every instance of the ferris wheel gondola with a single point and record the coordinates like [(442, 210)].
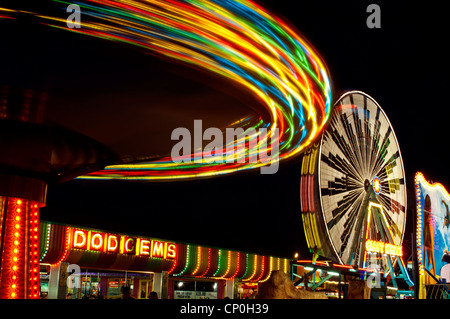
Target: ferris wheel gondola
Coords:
[(353, 182)]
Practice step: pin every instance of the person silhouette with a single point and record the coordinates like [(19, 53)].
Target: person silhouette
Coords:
[(126, 293)]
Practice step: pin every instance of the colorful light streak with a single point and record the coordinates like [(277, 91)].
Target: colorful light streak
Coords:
[(237, 40)]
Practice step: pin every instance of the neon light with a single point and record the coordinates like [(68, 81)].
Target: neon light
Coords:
[(376, 185), (199, 260), (428, 197), (188, 261), (384, 248), (209, 263), (247, 267), (121, 244), (33, 252), (47, 242), (238, 257), (196, 262), (228, 265), (17, 250), (112, 244), (67, 245), (270, 270), (144, 248), (435, 186), (380, 207), (19, 275), (79, 239), (174, 265), (129, 245), (97, 241), (158, 249), (219, 262), (255, 267), (262, 268), (419, 179), (172, 251)]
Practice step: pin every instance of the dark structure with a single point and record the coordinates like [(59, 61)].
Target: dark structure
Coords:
[(33, 155)]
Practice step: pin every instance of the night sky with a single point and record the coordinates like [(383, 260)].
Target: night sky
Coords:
[(132, 101)]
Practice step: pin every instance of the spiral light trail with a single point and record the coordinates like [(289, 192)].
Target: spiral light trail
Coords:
[(235, 39)]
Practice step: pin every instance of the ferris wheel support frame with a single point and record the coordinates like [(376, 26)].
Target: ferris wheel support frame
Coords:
[(376, 141)]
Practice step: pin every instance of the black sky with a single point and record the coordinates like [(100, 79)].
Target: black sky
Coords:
[(403, 66)]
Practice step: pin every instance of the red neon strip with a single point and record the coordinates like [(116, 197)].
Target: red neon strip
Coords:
[(33, 249), (262, 268), (209, 263), (66, 247), (238, 257)]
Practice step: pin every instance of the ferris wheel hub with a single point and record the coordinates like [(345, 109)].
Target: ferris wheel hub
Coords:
[(366, 185), (376, 184)]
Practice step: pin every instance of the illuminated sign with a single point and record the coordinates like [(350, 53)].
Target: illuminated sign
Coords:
[(376, 184), (121, 244), (384, 248), (432, 233)]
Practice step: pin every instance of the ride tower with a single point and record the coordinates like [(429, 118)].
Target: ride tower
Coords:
[(33, 155)]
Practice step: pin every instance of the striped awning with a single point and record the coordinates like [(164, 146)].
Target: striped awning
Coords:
[(88, 248)]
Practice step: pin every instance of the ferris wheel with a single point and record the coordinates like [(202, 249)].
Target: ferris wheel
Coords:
[(353, 182)]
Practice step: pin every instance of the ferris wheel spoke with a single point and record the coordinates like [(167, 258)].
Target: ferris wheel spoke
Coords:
[(344, 207), (388, 167), (344, 143), (359, 137), (353, 227), (341, 227), (392, 205), (338, 186), (393, 185), (374, 145), (353, 146), (387, 204), (383, 150), (341, 166), (368, 146)]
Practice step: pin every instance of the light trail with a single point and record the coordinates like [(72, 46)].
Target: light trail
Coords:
[(235, 39)]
